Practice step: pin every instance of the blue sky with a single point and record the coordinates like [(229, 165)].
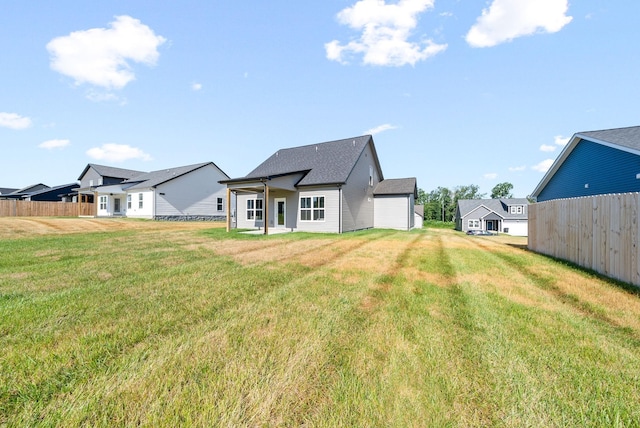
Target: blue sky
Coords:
[(454, 92)]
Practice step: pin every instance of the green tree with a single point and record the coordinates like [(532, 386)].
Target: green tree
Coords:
[(471, 191), (502, 190)]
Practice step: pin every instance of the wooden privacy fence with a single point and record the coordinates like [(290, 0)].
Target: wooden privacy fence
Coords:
[(597, 232), (16, 208)]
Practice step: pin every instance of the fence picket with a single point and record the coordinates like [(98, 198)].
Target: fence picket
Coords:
[(597, 232), (17, 208)]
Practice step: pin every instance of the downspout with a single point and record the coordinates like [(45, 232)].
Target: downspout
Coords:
[(339, 208), (409, 212), (228, 209), (265, 208)]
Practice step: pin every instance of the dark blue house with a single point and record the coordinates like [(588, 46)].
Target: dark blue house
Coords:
[(594, 163)]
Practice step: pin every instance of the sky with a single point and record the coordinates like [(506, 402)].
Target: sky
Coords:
[(454, 92)]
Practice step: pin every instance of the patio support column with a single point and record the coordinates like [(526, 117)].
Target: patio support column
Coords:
[(228, 209), (265, 211)]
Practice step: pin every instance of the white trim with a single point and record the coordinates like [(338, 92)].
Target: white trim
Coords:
[(311, 208), (275, 212)]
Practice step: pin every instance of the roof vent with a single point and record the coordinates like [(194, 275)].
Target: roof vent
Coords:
[(354, 143), (316, 149)]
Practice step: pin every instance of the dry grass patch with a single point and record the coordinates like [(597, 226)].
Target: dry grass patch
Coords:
[(166, 324)]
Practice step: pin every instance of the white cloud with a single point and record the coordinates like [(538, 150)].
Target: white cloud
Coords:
[(547, 148), (54, 144), (543, 166), (117, 153), (99, 96), (102, 56), (517, 168), (490, 176), (14, 121), (379, 129), (196, 86), (506, 20), (561, 141), (385, 33)]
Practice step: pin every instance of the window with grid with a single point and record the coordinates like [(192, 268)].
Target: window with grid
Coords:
[(312, 208), (254, 209)]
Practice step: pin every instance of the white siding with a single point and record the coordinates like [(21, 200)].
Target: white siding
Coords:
[(147, 204), (241, 215), (357, 194), (394, 212), (193, 194), (331, 221), (516, 227), (417, 221)]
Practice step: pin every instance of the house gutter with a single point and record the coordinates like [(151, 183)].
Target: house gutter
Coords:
[(339, 208)]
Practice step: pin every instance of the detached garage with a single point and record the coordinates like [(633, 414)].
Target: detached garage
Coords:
[(394, 204)]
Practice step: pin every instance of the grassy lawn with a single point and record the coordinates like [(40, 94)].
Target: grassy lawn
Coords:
[(154, 325)]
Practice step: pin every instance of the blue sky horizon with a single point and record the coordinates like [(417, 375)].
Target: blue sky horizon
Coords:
[(453, 93)]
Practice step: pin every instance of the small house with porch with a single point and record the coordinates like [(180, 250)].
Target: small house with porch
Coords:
[(190, 192), (508, 216), (324, 187)]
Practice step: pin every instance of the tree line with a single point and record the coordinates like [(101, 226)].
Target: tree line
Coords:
[(441, 203)]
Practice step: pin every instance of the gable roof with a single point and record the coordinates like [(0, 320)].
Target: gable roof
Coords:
[(110, 171), (323, 163), (6, 190), (155, 178), (31, 188), (25, 191), (625, 139), (397, 186), (498, 206)]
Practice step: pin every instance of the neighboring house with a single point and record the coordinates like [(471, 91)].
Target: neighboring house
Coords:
[(594, 163), (394, 204), (5, 190), (325, 187), (498, 215), (189, 192), (62, 193), (95, 175), (24, 192), (418, 216)]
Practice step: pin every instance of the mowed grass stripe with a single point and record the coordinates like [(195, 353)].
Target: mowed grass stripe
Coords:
[(384, 328)]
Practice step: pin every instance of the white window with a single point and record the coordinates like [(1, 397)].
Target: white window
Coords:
[(220, 204), (128, 202), (517, 209), (370, 175), (254, 209), (474, 224), (312, 208), (140, 200), (103, 202)]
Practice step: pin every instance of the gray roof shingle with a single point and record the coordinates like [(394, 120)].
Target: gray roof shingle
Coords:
[(324, 163), (110, 171), (499, 206), (154, 178), (396, 186), (626, 137)]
